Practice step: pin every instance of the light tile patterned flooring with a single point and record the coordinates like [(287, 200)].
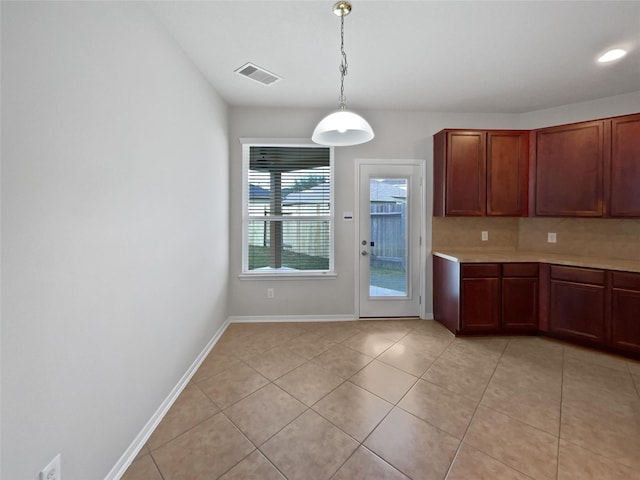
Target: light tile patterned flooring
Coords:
[(397, 399)]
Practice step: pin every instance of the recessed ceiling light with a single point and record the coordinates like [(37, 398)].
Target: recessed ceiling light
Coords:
[(612, 55)]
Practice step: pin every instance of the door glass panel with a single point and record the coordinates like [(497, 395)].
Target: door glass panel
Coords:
[(388, 237)]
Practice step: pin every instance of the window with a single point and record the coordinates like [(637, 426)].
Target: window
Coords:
[(288, 209)]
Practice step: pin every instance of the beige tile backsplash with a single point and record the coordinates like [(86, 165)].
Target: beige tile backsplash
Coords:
[(465, 232), (601, 237), (611, 238)]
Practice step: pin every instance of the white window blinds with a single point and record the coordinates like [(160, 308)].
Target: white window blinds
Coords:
[(289, 212)]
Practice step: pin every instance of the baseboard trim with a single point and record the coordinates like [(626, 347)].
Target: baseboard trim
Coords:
[(299, 318), (290, 318), (132, 451)]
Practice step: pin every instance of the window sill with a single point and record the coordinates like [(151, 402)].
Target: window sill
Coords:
[(288, 275)]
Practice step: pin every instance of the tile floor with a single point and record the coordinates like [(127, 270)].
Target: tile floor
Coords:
[(397, 399)]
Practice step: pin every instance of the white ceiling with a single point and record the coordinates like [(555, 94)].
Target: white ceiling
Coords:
[(454, 56)]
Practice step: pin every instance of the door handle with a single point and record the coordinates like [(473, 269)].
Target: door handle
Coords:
[(364, 253)]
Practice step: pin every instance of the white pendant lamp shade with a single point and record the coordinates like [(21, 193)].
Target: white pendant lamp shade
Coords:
[(342, 128)]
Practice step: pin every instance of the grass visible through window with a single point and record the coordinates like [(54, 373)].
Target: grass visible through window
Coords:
[(393, 278), (261, 257)]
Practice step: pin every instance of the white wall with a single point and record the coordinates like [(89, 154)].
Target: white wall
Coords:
[(399, 135), (579, 112), (114, 221)]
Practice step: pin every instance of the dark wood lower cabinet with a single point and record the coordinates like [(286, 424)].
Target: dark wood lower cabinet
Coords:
[(577, 310), (475, 298), (480, 297), (520, 304), (446, 289), (480, 309), (577, 303), (590, 306), (520, 288), (625, 312)]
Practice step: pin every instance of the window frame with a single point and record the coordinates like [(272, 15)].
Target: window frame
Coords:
[(247, 143)]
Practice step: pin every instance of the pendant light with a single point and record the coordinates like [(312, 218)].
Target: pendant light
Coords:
[(342, 128)]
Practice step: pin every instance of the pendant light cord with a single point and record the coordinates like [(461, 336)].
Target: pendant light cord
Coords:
[(343, 65)]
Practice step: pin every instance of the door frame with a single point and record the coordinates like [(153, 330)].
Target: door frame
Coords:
[(421, 164)]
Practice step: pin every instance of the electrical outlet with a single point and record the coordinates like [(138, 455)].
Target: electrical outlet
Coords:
[(485, 235), (551, 237), (51, 471), (270, 293)]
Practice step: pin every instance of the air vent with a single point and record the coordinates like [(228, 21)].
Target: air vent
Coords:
[(258, 74)]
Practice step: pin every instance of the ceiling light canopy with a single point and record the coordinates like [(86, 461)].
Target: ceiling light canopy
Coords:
[(611, 55), (342, 128)]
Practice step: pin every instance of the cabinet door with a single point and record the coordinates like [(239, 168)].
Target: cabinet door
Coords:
[(569, 170), (465, 174), (480, 305), (624, 190), (625, 320), (520, 303), (446, 293), (507, 173), (576, 310), (625, 311)]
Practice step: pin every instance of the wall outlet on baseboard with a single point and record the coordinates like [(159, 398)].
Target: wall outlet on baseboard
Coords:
[(485, 235), (271, 293), (551, 237), (51, 471)]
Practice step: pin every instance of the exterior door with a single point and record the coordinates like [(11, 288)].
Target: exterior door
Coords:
[(389, 230)]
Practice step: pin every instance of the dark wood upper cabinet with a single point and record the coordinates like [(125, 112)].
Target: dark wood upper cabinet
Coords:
[(569, 170), (480, 172), (507, 174), (624, 186), (461, 171), (586, 169)]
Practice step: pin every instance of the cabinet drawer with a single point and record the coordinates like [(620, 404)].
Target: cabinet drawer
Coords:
[(480, 270), (579, 275), (520, 270), (629, 281)]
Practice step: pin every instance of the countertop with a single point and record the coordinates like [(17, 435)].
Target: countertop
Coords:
[(512, 256)]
